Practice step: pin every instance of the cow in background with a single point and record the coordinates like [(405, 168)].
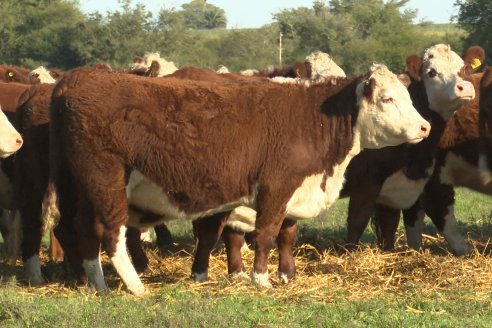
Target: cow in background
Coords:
[(456, 163)]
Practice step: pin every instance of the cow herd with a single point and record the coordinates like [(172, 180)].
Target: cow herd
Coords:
[(106, 152)]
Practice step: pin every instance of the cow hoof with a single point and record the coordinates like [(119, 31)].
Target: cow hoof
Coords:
[(138, 290), (261, 279), (32, 269), (200, 277), (283, 278), (240, 276), (462, 250)]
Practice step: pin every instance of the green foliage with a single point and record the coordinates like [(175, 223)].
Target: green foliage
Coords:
[(474, 16), (198, 14), (355, 33)]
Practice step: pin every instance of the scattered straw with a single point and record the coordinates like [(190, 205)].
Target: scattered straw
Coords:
[(366, 272)]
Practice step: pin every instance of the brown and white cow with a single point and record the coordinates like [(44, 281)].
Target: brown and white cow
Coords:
[(437, 74), (403, 173), (257, 144)]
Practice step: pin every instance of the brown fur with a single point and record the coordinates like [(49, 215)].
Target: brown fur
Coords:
[(163, 127)]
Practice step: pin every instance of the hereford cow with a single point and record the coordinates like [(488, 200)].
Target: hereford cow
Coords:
[(289, 137), (315, 65), (142, 64), (321, 63), (485, 162), (396, 177), (459, 162), (369, 173)]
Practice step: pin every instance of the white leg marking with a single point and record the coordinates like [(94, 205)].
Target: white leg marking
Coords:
[(95, 275), (414, 234), (32, 269), (124, 266), (283, 277), (200, 277), (145, 236), (261, 279), (454, 238)]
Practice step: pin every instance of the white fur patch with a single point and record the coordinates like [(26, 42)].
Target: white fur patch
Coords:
[(95, 275), (147, 195), (283, 278), (242, 219), (32, 270), (414, 234), (322, 65), (124, 266), (458, 172), (42, 74), (400, 192), (166, 67), (261, 279), (452, 235), (10, 139)]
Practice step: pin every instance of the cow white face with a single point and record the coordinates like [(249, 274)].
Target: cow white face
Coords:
[(386, 114), (446, 90), (10, 139), (41, 75)]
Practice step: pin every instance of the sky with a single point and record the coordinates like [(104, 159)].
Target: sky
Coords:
[(256, 13)]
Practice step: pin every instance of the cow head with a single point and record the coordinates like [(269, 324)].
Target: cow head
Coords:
[(386, 114), (41, 75), (12, 75), (10, 139), (441, 70)]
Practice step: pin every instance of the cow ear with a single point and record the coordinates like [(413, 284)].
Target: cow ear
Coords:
[(368, 92), (473, 58), (405, 79), (54, 74), (154, 68), (414, 63)]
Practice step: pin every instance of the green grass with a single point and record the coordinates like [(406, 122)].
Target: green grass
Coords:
[(181, 304)]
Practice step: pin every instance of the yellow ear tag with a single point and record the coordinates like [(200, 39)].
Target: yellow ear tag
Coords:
[(11, 74), (475, 63)]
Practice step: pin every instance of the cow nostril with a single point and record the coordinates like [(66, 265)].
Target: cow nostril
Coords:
[(18, 141), (460, 88)]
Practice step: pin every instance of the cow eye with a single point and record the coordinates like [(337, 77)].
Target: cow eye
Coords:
[(387, 100), (432, 73)]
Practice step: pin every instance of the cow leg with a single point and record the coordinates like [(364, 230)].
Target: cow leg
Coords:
[(207, 232), (30, 246), (438, 202), (233, 241), (164, 239), (285, 243), (361, 207), (413, 219), (139, 258), (271, 206), (387, 219)]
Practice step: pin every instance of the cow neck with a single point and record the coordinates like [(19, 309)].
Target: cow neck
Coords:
[(421, 156), (338, 113)]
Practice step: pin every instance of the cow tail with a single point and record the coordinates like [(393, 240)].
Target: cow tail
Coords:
[(50, 215)]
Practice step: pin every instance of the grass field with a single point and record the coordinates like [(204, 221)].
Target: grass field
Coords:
[(365, 288)]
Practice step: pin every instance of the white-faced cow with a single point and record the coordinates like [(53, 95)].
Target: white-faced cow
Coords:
[(372, 175), (258, 144)]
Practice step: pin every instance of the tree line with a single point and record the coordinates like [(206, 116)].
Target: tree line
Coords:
[(356, 33)]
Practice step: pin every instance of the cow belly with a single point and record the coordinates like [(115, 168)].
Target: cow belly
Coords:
[(148, 196), (400, 192), (456, 171)]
